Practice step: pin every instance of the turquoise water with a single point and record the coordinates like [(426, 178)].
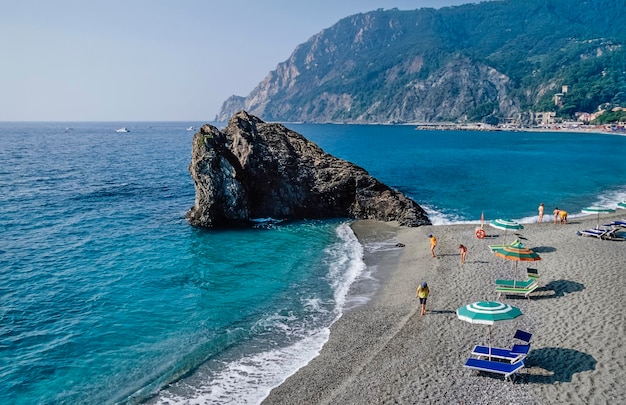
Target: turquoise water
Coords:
[(107, 294)]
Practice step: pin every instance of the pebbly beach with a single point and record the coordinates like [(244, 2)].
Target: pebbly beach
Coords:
[(384, 352)]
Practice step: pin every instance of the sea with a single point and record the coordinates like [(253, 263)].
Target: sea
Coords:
[(109, 296)]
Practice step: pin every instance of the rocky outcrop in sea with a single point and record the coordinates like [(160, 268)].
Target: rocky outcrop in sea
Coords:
[(252, 169)]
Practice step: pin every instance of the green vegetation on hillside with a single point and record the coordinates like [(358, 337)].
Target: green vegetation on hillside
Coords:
[(387, 64)]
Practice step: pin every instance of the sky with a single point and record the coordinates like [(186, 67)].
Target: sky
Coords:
[(152, 60)]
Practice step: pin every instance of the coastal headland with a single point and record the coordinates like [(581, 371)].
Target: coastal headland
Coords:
[(384, 352)]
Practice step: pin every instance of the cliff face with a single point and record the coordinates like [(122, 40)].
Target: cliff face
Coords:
[(253, 169), (473, 62)]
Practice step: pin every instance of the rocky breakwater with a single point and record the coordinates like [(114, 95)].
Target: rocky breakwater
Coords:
[(252, 169)]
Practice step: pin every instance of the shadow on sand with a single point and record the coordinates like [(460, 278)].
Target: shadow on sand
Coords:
[(550, 365), (560, 288), (441, 311), (544, 249)]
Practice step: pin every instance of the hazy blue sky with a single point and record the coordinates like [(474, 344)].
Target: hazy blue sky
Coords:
[(136, 60)]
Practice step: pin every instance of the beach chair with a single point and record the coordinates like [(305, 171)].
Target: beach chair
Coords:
[(516, 283), (497, 353), (533, 273), (496, 367), (617, 224), (604, 234), (522, 335), (512, 355), (517, 290)]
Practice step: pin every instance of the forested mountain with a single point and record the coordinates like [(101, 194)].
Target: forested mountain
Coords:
[(491, 61)]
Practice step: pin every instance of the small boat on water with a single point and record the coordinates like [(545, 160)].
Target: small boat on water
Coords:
[(124, 129), (190, 128)]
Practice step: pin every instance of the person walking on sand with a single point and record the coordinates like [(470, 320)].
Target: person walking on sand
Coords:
[(463, 251), (422, 293), (540, 209), (433, 244), (556, 214)]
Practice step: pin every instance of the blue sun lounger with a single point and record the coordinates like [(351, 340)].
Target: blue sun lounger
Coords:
[(604, 234), (523, 335), (617, 224), (496, 367), (497, 353)]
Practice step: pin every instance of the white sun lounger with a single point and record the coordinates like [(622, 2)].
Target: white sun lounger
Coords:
[(525, 291)]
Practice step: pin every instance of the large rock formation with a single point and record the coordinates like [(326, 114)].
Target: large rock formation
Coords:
[(252, 169)]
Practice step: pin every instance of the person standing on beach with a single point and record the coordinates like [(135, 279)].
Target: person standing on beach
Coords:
[(556, 214), (422, 293), (540, 212), (433, 244), (463, 251)]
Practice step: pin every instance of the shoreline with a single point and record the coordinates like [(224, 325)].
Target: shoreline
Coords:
[(385, 352)]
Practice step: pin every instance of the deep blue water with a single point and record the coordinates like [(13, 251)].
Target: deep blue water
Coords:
[(107, 294)]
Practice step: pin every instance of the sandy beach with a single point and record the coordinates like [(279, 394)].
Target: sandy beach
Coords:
[(384, 352)]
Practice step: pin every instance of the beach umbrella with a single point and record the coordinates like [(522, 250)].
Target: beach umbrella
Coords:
[(597, 210), (487, 313), (516, 252), (621, 204), (505, 225)]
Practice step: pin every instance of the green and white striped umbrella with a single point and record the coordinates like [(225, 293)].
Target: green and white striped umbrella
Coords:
[(621, 204), (487, 313), (505, 224), (597, 210)]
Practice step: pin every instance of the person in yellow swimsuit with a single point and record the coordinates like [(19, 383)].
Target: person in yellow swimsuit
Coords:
[(422, 293), (433, 244), (563, 217)]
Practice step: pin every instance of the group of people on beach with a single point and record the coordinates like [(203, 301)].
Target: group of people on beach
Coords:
[(423, 291), (560, 216)]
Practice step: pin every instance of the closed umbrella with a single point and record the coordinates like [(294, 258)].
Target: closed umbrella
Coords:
[(597, 210), (487, 313)]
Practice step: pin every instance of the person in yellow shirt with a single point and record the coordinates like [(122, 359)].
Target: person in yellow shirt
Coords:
[(433, 244), (563, 217), (422, 293)]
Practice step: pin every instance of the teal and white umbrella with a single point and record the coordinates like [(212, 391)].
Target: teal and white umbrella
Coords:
[(621, 204), (505, 225), (488, 313), (597, 210)]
